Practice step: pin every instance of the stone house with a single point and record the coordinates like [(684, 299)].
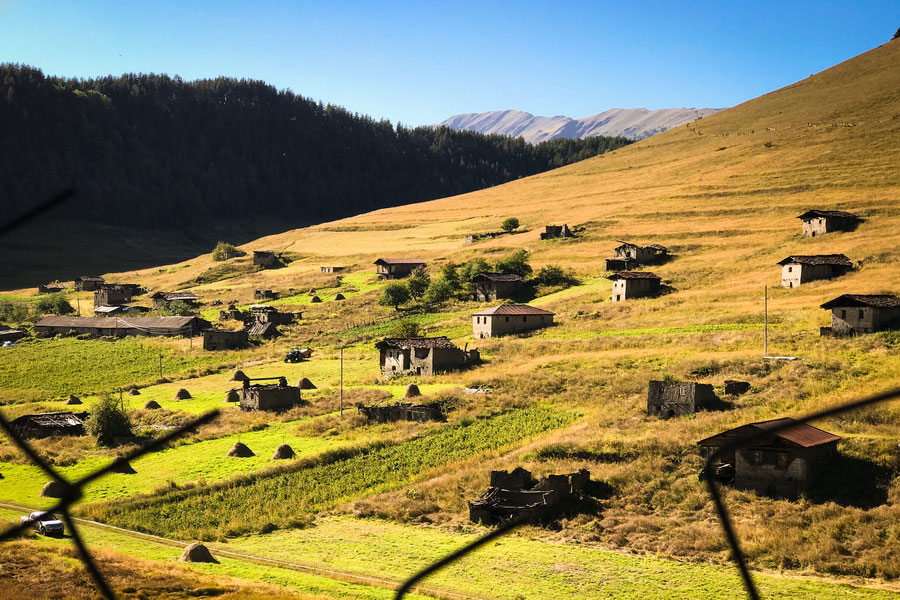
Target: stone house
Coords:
[(266, 259), (43, 425), (51, 288), (276, 396), (332, 269), (265, 295), (819, 222), (799, 269), (121, 326), (87, 284), (509, 318), (264, 313), (556, 231), (224, 339), (852, 314), (779, 464), (666, 399), (516, 495), (112, 295), (628, 256), (397, 268), (493, 286), (634, 284), (163, 299), (422, 356), (403, 411)]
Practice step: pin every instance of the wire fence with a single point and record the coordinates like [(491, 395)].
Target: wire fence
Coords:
[(72, 492)]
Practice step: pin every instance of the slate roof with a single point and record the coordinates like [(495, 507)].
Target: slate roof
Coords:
[(512, 309), (417, 342), (872, 300), (812, 214), (818, 259), (498, 277), (399, 261), (172, 296), (633, 275), (263, 329), (57, 419), (801, 434)]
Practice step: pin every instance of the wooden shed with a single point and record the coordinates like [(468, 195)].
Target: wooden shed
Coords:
[(42, 425)]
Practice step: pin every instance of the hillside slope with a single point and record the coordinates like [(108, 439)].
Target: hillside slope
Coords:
[(632, 123)]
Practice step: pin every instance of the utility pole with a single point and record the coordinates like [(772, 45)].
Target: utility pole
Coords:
[(766, 322), (342, 380), (160, 366)]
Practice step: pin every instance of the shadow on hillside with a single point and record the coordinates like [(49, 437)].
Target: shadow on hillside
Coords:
[(851, 481)]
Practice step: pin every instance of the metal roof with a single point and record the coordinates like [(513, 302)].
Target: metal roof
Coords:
[(812, 214), (512, 309), (818, 259), (873, 300), (57, 419), (634, 275), (801, 434), (146, 324)]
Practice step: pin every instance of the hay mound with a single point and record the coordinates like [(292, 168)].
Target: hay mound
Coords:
[(339, 296), (412, 391), (239, 376), (120, 465), (240, 450), (283, 451), (315, 299), (52, 489), (152, 405), (198, 553), (73, 399), (134, 392), (232, 396), (182, 394), (306, 384)]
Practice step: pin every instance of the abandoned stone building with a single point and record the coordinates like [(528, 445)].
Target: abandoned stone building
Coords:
[(403, 411), (87, 284), (164, 299), (781, 464), (634, 284), (799, 269), (666, 399), (471, 238), (852, 314), (8, 334), (820, 222), (266, 259), (50, 288), (262, 329), (43, 425), (422, 356), (628, 256), (224, 339), (121, 326), (515, 495), (265, 295), (494, 286), (112, 295), (332, 269), (263, 313), (556, 231), (397, 268), (275, 396), (509, 318)]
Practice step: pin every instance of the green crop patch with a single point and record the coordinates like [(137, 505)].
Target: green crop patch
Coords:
[(258, 504)]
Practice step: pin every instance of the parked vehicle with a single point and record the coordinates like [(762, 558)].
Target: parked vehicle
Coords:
[(45, 523), (296, 354)]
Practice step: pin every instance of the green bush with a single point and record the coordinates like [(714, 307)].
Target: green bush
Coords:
[(56, 304), (108, 420), (516, 264), (394, 294), (417, 283), (224, 251), (510, 225), (404, 329)]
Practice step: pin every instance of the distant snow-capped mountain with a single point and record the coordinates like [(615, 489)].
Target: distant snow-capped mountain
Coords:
[(633, 123)]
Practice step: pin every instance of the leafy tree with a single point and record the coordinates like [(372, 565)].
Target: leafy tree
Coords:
[(438, 292), (108, 420), (394, 294), (450, 274), (468, 271), (554, 275), (13, 312), (510, 225), (176, 308), (223, 251), (56, 304), (417, 283), (405, 329), (516, 264)]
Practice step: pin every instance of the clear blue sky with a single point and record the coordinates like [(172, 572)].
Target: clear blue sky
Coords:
[(420, 62)]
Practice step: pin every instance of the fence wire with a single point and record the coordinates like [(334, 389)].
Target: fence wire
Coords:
[(72, 492)]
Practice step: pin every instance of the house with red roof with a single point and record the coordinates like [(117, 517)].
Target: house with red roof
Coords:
[(509, 318)]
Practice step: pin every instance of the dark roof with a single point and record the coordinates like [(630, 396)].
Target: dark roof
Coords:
[(417, 342), (634, 275), (148, 324), (498, 277), (512, 309), (818, 259), (658, 247), (172, 296), (812, 214), (57, 419), (873, 300), (84, 278), (399, 261), (801, 434), (263, 329)]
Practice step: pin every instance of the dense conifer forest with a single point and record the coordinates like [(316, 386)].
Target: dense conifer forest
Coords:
[(156, 151)]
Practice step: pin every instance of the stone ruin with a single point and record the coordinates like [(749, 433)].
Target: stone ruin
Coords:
[(736, 388), (666, 399), (277, 396), (403, 411), (516, 495)]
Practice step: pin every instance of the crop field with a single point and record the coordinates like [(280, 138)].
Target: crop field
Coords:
[(284, 500)]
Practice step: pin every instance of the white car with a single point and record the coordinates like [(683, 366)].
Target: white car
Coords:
[(45, 523)]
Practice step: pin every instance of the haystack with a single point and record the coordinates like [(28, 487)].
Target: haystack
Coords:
[(73, 399), (283, 452), (315, 299), (240, 450), (198, 553), (412, 391), (152, 405), (239, 376), (134, 392), (232, 396), (182, 394), (306, 384), (52, 489), (120, 465), (339, 296)]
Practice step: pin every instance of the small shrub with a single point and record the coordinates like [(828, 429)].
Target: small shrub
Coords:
[(224, 251), (108, 420), (394, 294), (510, 225)]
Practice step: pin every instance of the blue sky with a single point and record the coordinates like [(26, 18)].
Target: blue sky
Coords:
[(420, 62)]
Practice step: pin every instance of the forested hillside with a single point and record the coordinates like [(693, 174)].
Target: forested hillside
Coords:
[(161, 152)]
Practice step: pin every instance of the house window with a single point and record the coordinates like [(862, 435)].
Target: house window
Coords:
[(757, 457), (507, 319), (862, 313), (790, 269), (524, 319), (782, 460), (843, 314)]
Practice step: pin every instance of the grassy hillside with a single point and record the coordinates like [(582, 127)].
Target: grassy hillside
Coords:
[(722, 193)]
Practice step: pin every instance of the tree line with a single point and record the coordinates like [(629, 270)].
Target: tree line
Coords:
[(157, 151)]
